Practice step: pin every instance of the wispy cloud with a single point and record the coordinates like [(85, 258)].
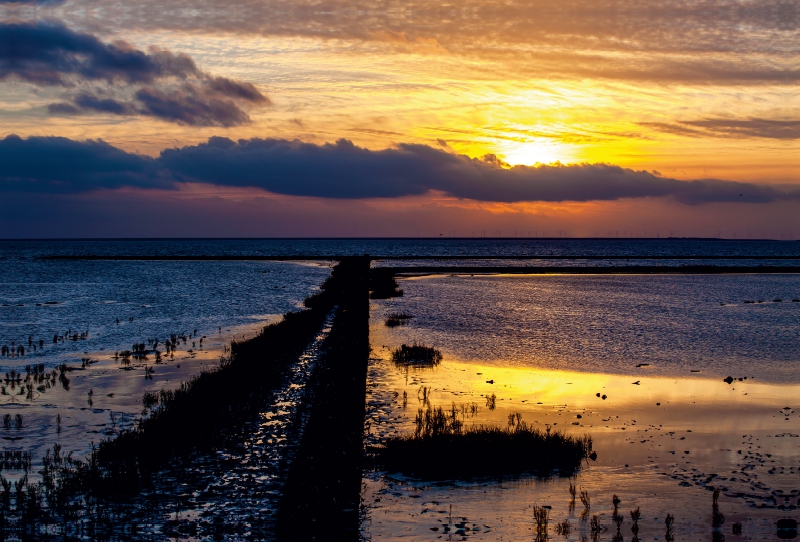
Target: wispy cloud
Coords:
[(33, 2), (697, 41), (732, 128)]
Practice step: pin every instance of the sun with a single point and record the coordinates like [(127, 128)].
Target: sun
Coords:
[(530, 153)]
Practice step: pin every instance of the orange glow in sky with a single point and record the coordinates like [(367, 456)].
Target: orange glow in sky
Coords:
[(658, 87)]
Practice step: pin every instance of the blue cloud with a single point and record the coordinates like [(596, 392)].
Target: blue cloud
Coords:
[(50, 54), (63, 166)]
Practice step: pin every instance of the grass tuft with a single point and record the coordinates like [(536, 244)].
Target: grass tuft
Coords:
[(540, 516), (442, 448), (416, 355), (382, 284), (397, 319)]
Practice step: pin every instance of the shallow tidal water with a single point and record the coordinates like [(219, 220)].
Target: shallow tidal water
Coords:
[(83, 313), (548, 345), (668, 431)]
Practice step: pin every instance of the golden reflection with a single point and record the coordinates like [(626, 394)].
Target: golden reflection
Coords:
[(553, 387), (606, 402)]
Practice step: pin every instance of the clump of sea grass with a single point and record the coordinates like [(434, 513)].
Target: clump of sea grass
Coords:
[(442, 448), (618, 519), (635, 517), (437, 421), (416, 355), (586, 500), (668, 521), (149, 399), (595, 527), (717, 518), (382, 285), (397, 319), (424, 395), (541, 519)]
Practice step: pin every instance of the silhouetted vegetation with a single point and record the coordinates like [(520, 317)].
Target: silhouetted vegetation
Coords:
[(540, 516), (416, 355), (636, 515), (397, 319), (717, 517), (35, 382), (442, 448), (382, 284)]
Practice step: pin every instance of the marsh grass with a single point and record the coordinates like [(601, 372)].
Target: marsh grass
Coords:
[(618, 519), (717, 517), (586, 501), (382, 285), (442, 448), (416, 355), (636, 515), (540, 516), (437, 421), (423, 395), (595, 527), (397, 319)]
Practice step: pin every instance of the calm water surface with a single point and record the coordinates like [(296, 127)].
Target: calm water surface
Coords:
[(610, 324)]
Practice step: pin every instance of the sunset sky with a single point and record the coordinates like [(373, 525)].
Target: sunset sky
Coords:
[(400, 118)]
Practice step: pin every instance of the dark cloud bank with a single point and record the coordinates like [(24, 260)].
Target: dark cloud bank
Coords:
[(343, 171), (168, 86)]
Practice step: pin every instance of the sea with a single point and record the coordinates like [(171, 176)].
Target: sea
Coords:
[(112, 305)]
